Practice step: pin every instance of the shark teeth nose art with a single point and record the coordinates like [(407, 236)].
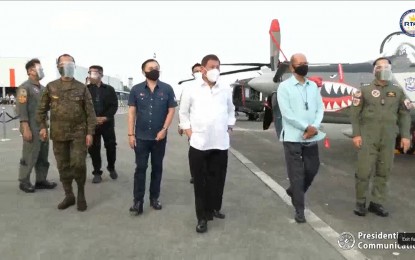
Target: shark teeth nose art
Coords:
[(336, 96)]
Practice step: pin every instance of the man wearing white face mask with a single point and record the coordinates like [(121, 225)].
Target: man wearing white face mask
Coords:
[(35, 153), (380, 112), (197, 75), (72, 125), (207, 114), (105, 105)]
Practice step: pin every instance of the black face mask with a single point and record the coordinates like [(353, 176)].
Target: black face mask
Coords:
[(301, 70), (153, 75)]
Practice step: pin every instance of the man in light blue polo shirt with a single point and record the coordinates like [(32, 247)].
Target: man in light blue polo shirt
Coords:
[(302, 111)]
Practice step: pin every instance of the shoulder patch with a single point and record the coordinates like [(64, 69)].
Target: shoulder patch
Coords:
[(22, 95), (357, 93), (408, 104)]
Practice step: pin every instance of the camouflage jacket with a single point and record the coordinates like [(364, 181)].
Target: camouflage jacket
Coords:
[(72, 112)]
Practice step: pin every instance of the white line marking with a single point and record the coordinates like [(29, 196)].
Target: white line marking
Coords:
[(321, 227)]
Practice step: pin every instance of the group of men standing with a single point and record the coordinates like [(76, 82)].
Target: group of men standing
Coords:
[(80, 115)]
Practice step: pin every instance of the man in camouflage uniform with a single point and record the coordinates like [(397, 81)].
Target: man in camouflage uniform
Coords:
[(35, 152), (72, 124), (380, 112)]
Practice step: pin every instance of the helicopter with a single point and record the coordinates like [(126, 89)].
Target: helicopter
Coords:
[(336, 81)]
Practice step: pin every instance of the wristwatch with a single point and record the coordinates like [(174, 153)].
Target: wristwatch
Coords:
[(164, 128)]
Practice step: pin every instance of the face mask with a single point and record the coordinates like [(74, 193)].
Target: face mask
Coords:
[(213, 75), (39, 71), (153, 75), (94, 75), (383, 73), (67, 70), (197, 75), (301, 70)]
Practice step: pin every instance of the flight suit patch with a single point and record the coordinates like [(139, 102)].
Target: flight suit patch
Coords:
[(356, 102), (390, 94), (22, 96), (357, 93), (375, 93), (408, 104)]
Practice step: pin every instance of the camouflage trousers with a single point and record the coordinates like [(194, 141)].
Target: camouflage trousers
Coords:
[(71, 160), (374, 158), (34, 155)]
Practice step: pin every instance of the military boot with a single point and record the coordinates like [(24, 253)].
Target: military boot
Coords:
[(69, 199), (360, 209), (378, 209), (81, 202)]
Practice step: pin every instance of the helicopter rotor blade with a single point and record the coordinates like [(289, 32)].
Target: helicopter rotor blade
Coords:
[(180, 82), (247, 64)]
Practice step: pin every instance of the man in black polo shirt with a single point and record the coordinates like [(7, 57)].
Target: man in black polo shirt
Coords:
[(151, 109), (105, 104)]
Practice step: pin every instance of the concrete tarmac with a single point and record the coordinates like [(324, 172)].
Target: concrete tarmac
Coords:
[(258, 224)]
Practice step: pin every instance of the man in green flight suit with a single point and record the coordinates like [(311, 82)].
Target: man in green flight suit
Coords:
[(379, 112), (35, 152), (72, 125)]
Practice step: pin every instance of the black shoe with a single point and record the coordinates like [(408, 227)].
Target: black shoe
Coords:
[(201, 226), (27, 187), (48, 185), (378, 209), (155, 203), (137, 208), (299, 217), (97, 179), (360, 209), (218, 214), (113, 174), (191, 180)]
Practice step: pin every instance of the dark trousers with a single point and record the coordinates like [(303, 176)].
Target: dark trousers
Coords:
[(303, 162), (143, 149), (108, 134), (208, 169)]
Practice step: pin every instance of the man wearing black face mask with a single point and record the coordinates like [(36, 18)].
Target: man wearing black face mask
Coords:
[(151, 109), (380, 112), (35, 152), (302, 111), (105, 106)]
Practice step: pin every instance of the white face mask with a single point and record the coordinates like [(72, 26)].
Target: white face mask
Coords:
[(94, 75), (213, 75), (197, 75)]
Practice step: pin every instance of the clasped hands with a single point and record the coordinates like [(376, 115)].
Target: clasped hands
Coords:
[(310, 132)]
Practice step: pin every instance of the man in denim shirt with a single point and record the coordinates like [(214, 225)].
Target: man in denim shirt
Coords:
[(302, 111), (151, 109)]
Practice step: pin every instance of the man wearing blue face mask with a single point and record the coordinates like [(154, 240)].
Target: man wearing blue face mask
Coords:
[(207, 114), (151, 109), (72, 125)]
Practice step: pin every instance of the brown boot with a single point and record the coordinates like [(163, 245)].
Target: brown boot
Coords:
[(69, 199), (81, 203)]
